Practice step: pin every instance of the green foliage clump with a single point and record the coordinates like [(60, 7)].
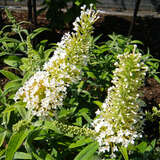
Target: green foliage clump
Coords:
[(63, 12), (69, 134)]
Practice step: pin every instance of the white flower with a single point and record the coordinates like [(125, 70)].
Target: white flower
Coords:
[(120, 118), (45, 91), (83, 7)]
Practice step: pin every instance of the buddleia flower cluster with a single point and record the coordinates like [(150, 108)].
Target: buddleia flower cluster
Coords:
[(120, 121), (45, 91)]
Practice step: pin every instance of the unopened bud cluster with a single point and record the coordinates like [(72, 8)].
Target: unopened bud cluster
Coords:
[(72, 130)]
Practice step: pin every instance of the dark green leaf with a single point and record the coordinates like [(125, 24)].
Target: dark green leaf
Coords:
[(81, 142), (6, 117), (12, 84), (49, 157), (9, 75), (50, 125), (36, 156), (2, 137), (47, 54), (142, 147), (2, 153), (87, 152), (123, 150), (86, 117), (91, 75), (151, 146), (38, 31), (2, 97), (15, 142), (20, 106), (12, 61), (8, 109), (9, 40)]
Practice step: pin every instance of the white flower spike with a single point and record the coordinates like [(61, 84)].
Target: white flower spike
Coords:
[(121, 118), (45, 91)]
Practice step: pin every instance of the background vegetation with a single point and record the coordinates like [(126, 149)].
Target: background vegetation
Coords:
[(21, 55)]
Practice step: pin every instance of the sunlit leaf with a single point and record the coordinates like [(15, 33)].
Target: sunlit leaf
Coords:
[(87, 152), (15, 142)]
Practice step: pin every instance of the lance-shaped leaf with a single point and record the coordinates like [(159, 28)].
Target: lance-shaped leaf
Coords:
[(15, 142)]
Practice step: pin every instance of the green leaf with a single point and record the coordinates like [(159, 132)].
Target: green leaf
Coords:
[(87, 152), (81, 142), (2, 153), (157, 78), (1, 92), (27, 76), (15, 142), (47, 53), (49, 157), (13, 84), (11, 89), (136, 42), (2, 137), (24, 30), (22, 155), (96, 157), (36, 156), (86, 117), (54, 152), (78, 121), (3, 53), (80, 86), (38, 31), (9, 75), (64, 113), (21, 47), (77, 2), (51, 126), (142, 147), (151, 146), (91, 75), (12, 61), (2, 97), (9, 40), (6, 117), (8, 109), (98, 103), (20, 106), (123, 150), (83, 111)]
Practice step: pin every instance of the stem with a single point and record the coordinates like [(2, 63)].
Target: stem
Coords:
[(19, 33), (34, 12), (29, 5), (137, 4)]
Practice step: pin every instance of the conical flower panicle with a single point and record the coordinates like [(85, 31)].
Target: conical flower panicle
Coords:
[(120, 121), (46, 90)]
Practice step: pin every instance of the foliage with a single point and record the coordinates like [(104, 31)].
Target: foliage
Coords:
[(69, 133), (63, 12)]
